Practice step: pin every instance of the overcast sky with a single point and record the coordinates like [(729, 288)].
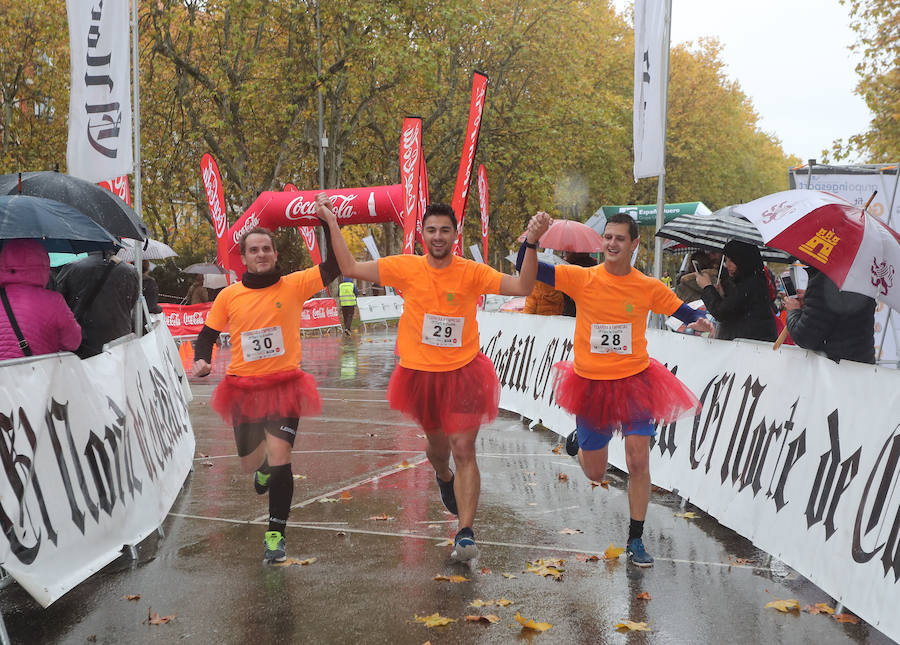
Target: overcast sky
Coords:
[(791, 58)]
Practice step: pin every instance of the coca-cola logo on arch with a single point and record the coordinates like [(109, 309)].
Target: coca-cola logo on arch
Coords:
[(342, 206), (252, 222)]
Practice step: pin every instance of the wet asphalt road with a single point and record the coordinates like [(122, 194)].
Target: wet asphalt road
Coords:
[(371, 577)]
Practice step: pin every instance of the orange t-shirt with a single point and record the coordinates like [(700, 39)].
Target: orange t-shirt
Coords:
[(610, 310), (445, 299), (264, 323)]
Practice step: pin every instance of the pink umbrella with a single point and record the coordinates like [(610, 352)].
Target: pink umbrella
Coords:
[(857, 251), (569, 235)]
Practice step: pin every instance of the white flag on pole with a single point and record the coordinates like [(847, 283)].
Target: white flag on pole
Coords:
[(651, 58), (100, 140)]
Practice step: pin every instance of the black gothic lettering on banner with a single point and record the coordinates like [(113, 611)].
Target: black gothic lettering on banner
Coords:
[(519, 370), (157, 423), (97, 75), (829, 485), (882, 512), (665, 437)]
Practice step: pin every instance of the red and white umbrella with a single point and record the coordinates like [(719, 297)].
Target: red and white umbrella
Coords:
[(857, 251)]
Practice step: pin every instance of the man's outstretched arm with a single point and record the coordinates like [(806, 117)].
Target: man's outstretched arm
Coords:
[(523, 284), (348, 265)]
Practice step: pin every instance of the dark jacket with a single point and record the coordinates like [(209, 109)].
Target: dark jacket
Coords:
[(109, 316), (839, 323), (746, 309), (151, 294)]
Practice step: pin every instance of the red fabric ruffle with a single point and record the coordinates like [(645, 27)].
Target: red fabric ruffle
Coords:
[(653, 394), (460, 400), (243, 399)]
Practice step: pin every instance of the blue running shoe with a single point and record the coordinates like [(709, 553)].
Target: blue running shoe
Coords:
[(637, 554)]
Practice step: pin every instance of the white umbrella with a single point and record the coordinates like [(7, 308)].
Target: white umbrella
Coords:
[(150, 250)]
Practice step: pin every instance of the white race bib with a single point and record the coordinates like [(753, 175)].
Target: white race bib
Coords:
[(611, 338), (262, 343), (442, 331)]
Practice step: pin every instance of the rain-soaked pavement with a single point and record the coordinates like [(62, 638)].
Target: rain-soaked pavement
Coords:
[(371, 577)]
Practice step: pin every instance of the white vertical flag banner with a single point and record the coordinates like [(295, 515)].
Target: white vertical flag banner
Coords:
[(100, 145), (650, 85)]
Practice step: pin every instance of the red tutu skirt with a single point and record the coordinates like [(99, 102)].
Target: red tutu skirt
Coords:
[(652, 395), (244, 399), (456, 401)]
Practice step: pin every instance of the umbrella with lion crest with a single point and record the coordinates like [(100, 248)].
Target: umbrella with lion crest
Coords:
[(860, 253)]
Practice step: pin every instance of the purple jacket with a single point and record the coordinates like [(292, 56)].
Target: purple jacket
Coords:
[(43, 316)]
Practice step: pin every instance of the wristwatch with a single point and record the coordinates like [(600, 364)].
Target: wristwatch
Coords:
[(530, 245)]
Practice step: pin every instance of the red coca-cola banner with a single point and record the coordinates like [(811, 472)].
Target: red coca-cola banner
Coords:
[(483, 205), (215, 197), (467, 160), (410, 165), (185, 320), (351, 206), (423, 195), (319, 312), (118, 186), (308, 233)]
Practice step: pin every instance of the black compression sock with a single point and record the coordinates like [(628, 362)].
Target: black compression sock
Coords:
[(466, 531), (281, 492), (635, 530), (265, 468)]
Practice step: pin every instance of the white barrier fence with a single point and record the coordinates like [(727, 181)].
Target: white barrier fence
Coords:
[(793, 451), (94, 454), (375, 309)]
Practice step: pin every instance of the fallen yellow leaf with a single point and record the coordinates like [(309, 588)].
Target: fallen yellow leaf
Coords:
[(644, 595), (604, 483), (503, 602), (547, 571), (384, 517), (404, 464), (819, 608), (784, 605), (557, 450), (156, 619), (447, 542), (327, 500), (454, 579), (562, 477), (688, 516), (435, 620), (488, 618), (528, 623), (631, 626), (133, 597), (485, 571), (613, 552), (299, 476), (571, 531), (508, 575), (346, 495), (478, 602), (846, 618)]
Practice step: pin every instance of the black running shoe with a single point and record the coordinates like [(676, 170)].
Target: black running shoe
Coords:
[(447, 494), (572, 444)]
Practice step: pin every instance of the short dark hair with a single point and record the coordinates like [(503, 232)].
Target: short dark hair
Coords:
[(256, 230), (438, 208), (625, 218)]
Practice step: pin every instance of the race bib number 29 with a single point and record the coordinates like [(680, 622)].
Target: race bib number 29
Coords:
[(262, 343), (607, 339), (442, 331)]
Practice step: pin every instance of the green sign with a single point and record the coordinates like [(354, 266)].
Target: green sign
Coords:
[(646, 214)]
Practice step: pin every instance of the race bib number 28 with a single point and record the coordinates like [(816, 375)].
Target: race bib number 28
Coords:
[(442, 331), (611, 338), (262, 343)]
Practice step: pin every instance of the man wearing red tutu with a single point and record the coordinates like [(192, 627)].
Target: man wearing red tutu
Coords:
[(613, 384), (443, 381), (264, 392)]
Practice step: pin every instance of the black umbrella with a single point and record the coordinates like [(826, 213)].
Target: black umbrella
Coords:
[(101, 205), (60, 227), (711, 232)]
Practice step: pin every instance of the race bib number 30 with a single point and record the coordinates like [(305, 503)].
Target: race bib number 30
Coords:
[(442, 331), (262, 343), (611, 338)]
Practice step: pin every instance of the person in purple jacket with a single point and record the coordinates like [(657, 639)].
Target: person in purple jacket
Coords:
[(43, 317)]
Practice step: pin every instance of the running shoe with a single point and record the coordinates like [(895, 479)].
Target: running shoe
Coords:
[(637, 554), (447, 494), (275, 551), (464, 547), (261, 482), (572, 444)]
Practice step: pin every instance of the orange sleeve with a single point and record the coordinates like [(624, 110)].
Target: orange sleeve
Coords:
[(390, 270), (488, 279), (663, 299), (218, 316), (307, 282), (569, 277)]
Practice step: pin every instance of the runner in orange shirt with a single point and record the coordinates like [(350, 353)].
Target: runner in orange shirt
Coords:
[(613, 384), (264, 392), (443, 381)]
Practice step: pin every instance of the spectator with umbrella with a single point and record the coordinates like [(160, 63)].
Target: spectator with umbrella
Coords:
[(744, 309)]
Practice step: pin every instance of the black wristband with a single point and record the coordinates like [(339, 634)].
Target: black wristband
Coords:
[(531, 245)]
